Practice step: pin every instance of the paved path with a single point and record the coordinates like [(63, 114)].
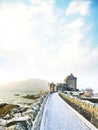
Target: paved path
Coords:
[(57, 116)]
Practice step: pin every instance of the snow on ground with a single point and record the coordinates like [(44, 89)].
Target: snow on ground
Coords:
[(57, 116)]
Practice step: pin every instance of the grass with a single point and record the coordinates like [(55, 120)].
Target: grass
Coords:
[(6, 108)]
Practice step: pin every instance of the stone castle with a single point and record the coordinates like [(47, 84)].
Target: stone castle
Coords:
[(70, 83)]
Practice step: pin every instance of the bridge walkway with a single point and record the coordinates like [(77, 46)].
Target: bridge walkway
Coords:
[(57, 116)]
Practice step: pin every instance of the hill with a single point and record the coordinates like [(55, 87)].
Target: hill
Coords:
[(26, 86)]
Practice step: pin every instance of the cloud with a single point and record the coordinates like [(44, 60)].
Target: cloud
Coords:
[(36, 41), (78, 7), (24, 31), (42, 1), (75, 52), (36, 1), (71, 46)]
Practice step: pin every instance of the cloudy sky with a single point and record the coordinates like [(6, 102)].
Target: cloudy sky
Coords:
[(49, 39)]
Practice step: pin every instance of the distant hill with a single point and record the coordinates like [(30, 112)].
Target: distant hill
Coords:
[(31, 86)]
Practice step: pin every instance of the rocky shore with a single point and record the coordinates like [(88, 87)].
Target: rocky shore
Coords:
[(26, 117), (34, 97)]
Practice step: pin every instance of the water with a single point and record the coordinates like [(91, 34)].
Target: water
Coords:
[(10, 98)]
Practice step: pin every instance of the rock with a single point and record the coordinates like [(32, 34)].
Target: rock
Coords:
[(40, 100), (17, 115), (2, 122), (35, 109), (34, 97), (12, 128), (39, 103), (8, 116), (19, 110), (22, 123), (17, 94), (30, 113), (3, 105), (6, 109)]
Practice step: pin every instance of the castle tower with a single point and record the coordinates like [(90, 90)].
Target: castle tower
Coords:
[(71, 82)]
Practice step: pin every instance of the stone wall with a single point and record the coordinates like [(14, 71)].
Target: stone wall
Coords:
[(88, 110), (38, 119)]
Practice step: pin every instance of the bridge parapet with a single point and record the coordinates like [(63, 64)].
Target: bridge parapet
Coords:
[(88, 110), (38, 119)]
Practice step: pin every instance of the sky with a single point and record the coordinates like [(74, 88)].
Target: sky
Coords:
[(49, 39)]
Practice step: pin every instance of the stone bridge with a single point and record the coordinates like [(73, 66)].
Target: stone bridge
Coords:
[(58, 115), (50, 112)]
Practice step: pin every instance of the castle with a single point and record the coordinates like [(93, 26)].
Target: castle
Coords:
[(70, 83)]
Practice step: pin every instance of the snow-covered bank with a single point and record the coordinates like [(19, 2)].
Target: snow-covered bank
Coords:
[(25, 117), (57, 116)]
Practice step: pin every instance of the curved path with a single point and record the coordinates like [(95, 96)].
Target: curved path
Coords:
[(57, 116)]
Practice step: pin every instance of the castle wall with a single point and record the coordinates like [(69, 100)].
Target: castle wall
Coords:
[(70, 83)]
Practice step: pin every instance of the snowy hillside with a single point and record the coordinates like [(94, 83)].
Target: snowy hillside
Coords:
[(28, 86)]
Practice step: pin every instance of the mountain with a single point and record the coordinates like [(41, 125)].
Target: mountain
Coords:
[(31, 86)]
